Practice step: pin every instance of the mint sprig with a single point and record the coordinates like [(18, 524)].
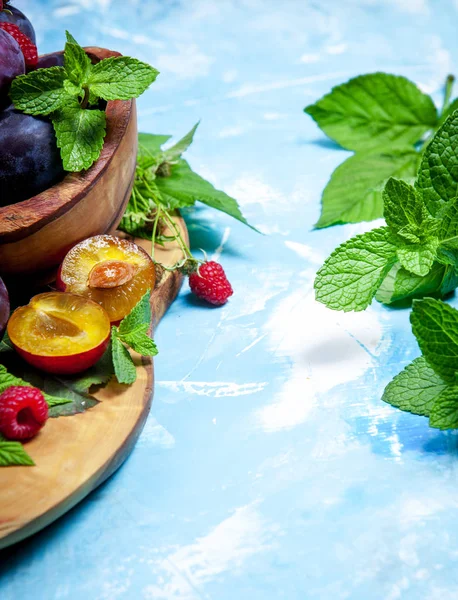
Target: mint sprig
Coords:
[(385, 119), (67, 94), (416, 254), (165, 182), (429, 385), (133, 331), (13, 454)]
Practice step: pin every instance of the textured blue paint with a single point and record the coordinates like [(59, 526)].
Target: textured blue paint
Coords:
[(268, 468)]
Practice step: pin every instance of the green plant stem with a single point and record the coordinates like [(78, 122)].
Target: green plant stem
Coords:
[(448, 92)]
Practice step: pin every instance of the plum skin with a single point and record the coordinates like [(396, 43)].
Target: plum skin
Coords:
[(56, 59), (11, 14), (11, 64), (30, 160), (65, 365), (4, 308)]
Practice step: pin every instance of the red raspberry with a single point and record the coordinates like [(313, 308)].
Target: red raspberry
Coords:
[(210, 283), (29, 50), (23, 412)]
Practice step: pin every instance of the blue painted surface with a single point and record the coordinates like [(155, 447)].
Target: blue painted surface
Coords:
[(268, 468)]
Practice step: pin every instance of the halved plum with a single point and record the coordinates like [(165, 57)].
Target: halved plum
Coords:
[(4, 308), (60, 333), (114, 272)]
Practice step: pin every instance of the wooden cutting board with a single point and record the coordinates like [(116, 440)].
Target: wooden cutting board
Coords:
[(74, 455)]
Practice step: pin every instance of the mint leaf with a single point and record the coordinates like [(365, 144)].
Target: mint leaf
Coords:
[(351, 275), (124, 366), (133, 329), (415, 389), (438, 173), (7, 380), (13, 454), (40, 92), (80, 134), (418, 258), (448, 229), (435, 325), (354, 192), (139, 316), (149, 143), (444, 412), (375, 111), (121, 78), (403, 206), (180, 147), (184, 188), (399, 284), (77, 63)]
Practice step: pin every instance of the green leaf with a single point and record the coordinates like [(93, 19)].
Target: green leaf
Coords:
[(444, 412), (403, 206), (40, 92), (139, 316), (133, 329), (438, 173), (13, 454), (449, 110), (121, 78), (180, 147), (352, 274), (80, 134), (448, 229), (151, 144), (418, 258), (77, 63), (7, 380), (415, 389), (140, 342), (184, 188), (354, 192), (435, 325), (400, 285), (375, 111), (123, 364)]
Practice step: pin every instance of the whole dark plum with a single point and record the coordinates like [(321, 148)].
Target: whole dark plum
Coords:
[(11, 64), (56, 59), (11, 14), (4, 308), (29, 159)]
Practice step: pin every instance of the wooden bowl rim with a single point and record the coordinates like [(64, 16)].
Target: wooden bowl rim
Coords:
[(17, 221)]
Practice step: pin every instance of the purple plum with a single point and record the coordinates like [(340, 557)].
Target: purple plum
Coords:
[(11, 64), (11, 14), (30, 161), (4, 308)]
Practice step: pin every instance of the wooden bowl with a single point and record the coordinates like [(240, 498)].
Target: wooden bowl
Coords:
[(37, 233)]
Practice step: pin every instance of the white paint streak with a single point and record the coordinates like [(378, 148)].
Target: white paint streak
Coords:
[(328, 348), (225, 548), (214, 389), (226, 235), (251, 88)]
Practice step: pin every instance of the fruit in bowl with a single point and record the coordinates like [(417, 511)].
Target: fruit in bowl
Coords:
[(30, 161), (60, 333), (93, 115), (114, 272), (4, 308), (12, 64), (11, 14)]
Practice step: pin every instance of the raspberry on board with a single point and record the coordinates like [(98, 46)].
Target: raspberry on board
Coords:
[(23, 412), (29, 50), (210, 283)]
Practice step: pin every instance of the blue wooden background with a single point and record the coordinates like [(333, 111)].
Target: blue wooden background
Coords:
[(269, 468)]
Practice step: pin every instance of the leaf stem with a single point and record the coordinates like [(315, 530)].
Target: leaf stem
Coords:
[(447, 92), (85, 100)]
